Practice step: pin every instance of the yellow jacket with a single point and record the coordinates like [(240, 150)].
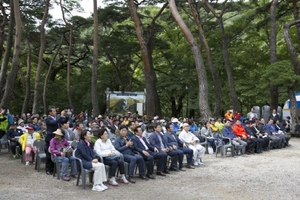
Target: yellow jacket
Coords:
[(23, 139)]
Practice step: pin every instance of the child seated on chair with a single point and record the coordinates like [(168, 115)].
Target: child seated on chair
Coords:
[(60, 148), (26, 140)]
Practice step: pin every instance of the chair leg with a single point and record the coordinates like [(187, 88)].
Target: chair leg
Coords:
[(78, 177), (83, 180)]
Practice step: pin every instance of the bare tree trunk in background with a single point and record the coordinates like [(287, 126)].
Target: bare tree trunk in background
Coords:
[(152, 99), (234, 99), (35, 107), (216, 82), (27, 82), (273, 51), (9, 44), (48, 74), (2, 28), (295, 61), (95, 105), (296, 18), (10, 83), (205, 112)]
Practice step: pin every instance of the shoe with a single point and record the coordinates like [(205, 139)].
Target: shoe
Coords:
[(15, 156), (174, 169), (144, 177), (113, 182), (65, 178), (131, 180), (166, 171), (190, 167), (98, 188), (27, 163), (74, 176), (160, 174), (200, 163), (49, 173), (196, 164), (150, 176), (103, 186), (123, 180), (181, 169)]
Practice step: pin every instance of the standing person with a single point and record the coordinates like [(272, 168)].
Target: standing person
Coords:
[(26, 140), (275, 116), (86, 153), (3, 122), (53, 122), (252, 115)]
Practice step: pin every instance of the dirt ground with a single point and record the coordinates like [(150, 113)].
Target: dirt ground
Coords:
[(270, 175)]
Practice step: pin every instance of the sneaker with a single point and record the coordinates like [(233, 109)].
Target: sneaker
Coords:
[(27, 163), (113, 182), (65, 178), (123, 180), (103, 186), (196, 163), (15, 156), (98, 188), (74, 176), (200, 163)]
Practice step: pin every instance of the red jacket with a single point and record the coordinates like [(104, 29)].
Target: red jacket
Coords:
[(240, 131)]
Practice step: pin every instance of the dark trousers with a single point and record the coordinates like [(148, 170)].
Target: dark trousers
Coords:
[(49, 163), (181, 152), (259, 144), (173, 155), (161, 159), (212, 143), (132, 160), (113, 166), (251, 144), (13, 146), (266, 143), (275, 141), (2, 133)]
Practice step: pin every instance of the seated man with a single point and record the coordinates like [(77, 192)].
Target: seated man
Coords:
[(125, 146), (273, 132), (261, 135), (253, 136), (174, 143), (13, 135), (262, 127), (26, 140), (149, 153), (189, 140), (236, 141), (157, 140), (240, 131), (280, 130)]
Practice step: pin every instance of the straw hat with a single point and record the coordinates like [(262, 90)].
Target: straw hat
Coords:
[(58, 132)]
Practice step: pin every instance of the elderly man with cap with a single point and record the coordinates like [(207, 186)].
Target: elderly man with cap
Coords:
[(22, 125), (57, 144), (26, 140), (13, 135)]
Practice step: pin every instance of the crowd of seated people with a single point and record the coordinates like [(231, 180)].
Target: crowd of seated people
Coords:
[(150, 146)]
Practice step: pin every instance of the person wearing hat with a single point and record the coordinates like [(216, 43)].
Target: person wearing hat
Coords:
[(56, 145), (176, 125), (13, 135), (22, 125), (26, 140)]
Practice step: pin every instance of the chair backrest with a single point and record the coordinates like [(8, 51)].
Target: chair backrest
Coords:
[(40, 145), (74, 144)]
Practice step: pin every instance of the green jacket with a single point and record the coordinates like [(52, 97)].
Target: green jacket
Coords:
[(3, 122)]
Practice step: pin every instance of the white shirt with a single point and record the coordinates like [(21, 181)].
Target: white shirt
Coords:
[(187, 137), (104, 148)]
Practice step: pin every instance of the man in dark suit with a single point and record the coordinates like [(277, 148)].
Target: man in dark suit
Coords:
[(156, 139), (53, 122), (259, 141), (174, 143), (261, 135), (149, 153)]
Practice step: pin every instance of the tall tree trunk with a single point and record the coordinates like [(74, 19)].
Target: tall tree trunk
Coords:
[(273, 51), (95, 105), (27, 82), (48, 74), (9, 44), (216, 82), (205, 112), (296, 18), (152, 99), (10, 83), (2, 28), (35, 107), (234, 99)]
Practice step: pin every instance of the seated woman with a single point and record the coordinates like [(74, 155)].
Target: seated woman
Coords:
[(26, 140), (111, 157), (86, 153), (207, 132), (56, 145)]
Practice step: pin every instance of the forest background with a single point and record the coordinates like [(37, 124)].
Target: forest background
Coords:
[(195, 58)]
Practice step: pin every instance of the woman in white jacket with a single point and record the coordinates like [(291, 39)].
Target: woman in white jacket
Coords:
[(105, 149)]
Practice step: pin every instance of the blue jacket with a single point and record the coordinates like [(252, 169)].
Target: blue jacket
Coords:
[(86, 154), (154, 141), (52, 125), (171, 141), (271, 128), (228, 132), (175, 127), (11, 133), (138, 146), (120, 145)]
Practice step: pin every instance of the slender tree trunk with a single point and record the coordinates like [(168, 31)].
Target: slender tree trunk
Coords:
[(9, 44), (216, 82), (152, 99), (205, 112), (234, 99), (48, 74), (35, 107), (27, 82), (273, 51), (2, 28), (95, 105), (296, 18), (9, 87)]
